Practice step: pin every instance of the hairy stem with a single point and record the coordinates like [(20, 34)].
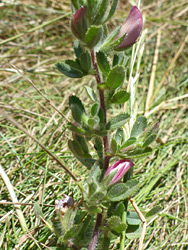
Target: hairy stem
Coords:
[(102, 104), (105, 144), (96, 232)]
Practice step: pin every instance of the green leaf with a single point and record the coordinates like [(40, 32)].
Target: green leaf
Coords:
[(133, 232), (120, 97), (78, 49), (117, 122), (112, 10), (93, 35), (120, 228), (101, 117), (77, 130), (110, 41), (79, 216), (93, 210), (97, 197), (103, 63), (99, 147), (72, 232), (85, 235), (73, 64), (92, 188), (101, 12), (149, 140), (92, 8), (106, 182), (82, 3), (85, 61), (129, 142), (113, 146), (115, 223), (95, 173), (120, 59), (116, 208), (119, 209), (139, 126), (117, 42), (77, 108), (116, 59), (122, 191), (75, 3), (68, 219), (93, 124), (82, 141), (87, 225), (91, 94), (56, 228), (76, 149), (119, 136), (133, 218), (87, 228), (116, 77), (68, 70), (95, 109), (87, 162), (139, 153), (153, 212), (102, 86)]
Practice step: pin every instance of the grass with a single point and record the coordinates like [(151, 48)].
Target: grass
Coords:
[(34, 36)]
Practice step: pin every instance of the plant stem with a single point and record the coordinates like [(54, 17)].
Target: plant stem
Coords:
[(96, 232), (105, 144), (103, 106), (122, 239)]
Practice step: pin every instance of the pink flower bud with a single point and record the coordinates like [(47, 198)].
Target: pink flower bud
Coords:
[(79, 24), (120, 167), (131, 28)]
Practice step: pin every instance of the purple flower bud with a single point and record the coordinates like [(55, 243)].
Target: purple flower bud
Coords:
[(131, 28), (79, 24), (120, 167)]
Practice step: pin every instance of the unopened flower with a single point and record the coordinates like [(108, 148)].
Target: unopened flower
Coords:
[(64, 204), (118, 170), (131, 28), (79, 24)]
